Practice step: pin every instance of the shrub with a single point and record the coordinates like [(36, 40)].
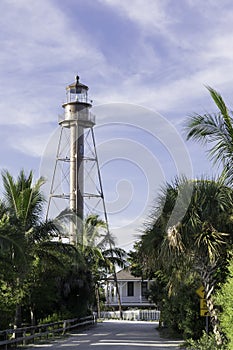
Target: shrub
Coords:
[(224, 299), (206, 342)]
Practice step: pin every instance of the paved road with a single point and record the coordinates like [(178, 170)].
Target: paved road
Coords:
[(117, 335)]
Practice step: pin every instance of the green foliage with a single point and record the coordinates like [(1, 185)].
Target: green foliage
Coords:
[(52, 318), (49, 280), (180, 311), (224, 299), (158, 289), (7, 305), (36, 263), (215, 130), (135, 260), (187, 242), (206, 342)]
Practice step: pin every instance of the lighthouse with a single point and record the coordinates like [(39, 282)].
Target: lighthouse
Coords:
[(75, 120), (77, 117)]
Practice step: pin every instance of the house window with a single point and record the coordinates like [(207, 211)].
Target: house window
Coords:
[(130, 289), (144, 289)]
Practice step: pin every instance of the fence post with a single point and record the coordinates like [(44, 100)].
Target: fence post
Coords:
[(24, 336), (6, 338), (64, 327)]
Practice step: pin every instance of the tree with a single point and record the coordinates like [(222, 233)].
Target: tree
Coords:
[(215, 130), (26, 235), (101, 253), (195, 241), (96, 244)]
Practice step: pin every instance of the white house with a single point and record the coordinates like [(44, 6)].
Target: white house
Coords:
[(133, 290)]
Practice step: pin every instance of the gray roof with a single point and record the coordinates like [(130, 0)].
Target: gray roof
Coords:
[(125, 275)]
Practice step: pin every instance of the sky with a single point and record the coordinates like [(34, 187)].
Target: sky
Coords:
[(147, 64)]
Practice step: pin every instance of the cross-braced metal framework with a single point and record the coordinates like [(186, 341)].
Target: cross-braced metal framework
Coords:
[(93, 197), (76, 183)]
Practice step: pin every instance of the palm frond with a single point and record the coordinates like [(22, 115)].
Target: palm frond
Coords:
[(216, 130), (223, 109)]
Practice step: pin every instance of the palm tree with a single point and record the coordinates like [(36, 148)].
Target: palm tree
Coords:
[(97, 246), (23, 203), (99, 249), (112, 257), (198, 241), (216, 130)]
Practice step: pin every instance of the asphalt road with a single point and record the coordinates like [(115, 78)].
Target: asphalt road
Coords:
[(115, 335)]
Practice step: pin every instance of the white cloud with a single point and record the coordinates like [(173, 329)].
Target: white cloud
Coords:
[(31, 146), (39, 36), (148, 14), (194, 57), (36, 41)]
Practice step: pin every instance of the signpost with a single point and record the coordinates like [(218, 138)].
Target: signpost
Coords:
[(203, 305)]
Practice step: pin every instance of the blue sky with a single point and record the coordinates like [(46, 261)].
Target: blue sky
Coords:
[(146, 63)]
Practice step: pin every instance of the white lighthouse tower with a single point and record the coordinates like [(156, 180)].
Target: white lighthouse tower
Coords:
[(77, 117), (74, 122)]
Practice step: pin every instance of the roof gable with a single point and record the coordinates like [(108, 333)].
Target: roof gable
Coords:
[(125, 275)]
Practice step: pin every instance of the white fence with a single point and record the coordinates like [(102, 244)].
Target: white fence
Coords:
[(133, 315)]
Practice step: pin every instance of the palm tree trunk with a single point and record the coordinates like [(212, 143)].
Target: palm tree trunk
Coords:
[(33, 316), (214, 321), (97, 300), (118, 293), (18, 311), (17, 320), (209, 284), (116, 282)]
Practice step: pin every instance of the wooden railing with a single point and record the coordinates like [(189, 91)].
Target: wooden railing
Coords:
[(27, 335)]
